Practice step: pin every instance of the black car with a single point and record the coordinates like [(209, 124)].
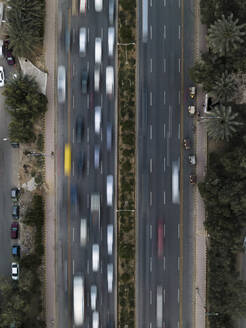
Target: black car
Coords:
[(85, 81), (15, 211), (79, 129)]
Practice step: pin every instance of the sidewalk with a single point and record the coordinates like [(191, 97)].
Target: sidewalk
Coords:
[(50, 201), (199, 288)]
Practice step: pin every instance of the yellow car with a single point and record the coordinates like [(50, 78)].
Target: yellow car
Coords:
[(67, 160)]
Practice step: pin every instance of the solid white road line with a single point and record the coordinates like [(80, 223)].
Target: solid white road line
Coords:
[(150, 264), (150, 325), (88, 165), (73, 35), (150, 98), (150, 131), (170, 122), (150, 165), (150, 231), (150, 65), (165, 31), (101, 100), (88, 31), (179, 3)]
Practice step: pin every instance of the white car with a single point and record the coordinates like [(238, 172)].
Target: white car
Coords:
[(97, 78), (110, 190), (82, 6), (15, 271), (82, 41), (110, 238), (111, 37), (98, 119), (95, 319), (109, 80), (98, 50), (110, 277), (98, 5), (1, 76), (95, 257), (61, 84), (93, 297), (83, 231), (175, 183)]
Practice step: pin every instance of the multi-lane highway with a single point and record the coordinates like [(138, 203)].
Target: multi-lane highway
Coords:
[(165, 245), (72, 258)]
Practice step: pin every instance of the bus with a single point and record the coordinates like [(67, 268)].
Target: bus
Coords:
[(67, 160), (78, 300)]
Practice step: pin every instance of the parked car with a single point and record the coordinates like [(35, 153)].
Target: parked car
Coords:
[(83, 231), (98, 5), (14, 193), (110, 238), (95, 257), (98, 119), (85, 81), (15, 271), (111, 38), (109, 80), (16, 250), (79, 129), (109, 136), (2, 78), (14, 230), (82, 41), (15, 211), (111, 12), (61, 84), (93, 297), (110, 190), (95, 319), (8, 53), (98, 50), (110, 277)]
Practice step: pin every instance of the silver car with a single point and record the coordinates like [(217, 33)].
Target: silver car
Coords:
[(15, 271), (61, 84), (111, 37), (98, 50), (110, 277), (98, 119), (109, 80), (82, 41), (110, 238), (97, 78), (95, 257), (110, 188), (97, 157), (83, 232)]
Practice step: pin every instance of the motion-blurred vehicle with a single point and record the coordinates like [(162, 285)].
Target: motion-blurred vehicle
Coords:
[(83, 231), (110, 277), (98, 119), (2, 78), (109, 136), (14, 230), (97, 78), (61, 84), (160, 235), (98, 5), (78, 300), (95, 207), (82, 6), (85, 81), (109, 80), (95, 319), (110, 238), (15, 271), (110, 188), (93, 297), (95, 257), (80, 164), (67, 160), (159, 307), (98, 50), (97, 156), (111, 11), (111, 38), (79, 129), (175, 182), (74, 195), (82, 41)]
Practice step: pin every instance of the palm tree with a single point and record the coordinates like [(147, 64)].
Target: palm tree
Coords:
[(221, 123), (225, 35), (225, 87)]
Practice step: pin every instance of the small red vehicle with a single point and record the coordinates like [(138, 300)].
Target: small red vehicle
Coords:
[(160, 237), (14, 230)]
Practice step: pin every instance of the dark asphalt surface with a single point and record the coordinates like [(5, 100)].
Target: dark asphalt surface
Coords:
[(92, 180), (158, 148)]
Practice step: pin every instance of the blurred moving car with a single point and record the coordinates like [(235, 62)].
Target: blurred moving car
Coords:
[(98, 119), (15, 271), (14, 230), (67, 160), (97, 78), (175, 183), (82, 41), (82, 6), (2, 78), (110, 277), (93, 297), (110, 238), (109, 136), (109, 80), (95, 257), (111, 38), (83, 231), (98, 5), (78, 300), (110, 190), (111, 12), (95, 319), (98, 50), (79, 129), (160, 235), (80, 164), (97, 155), (85, 81), (61, 84)]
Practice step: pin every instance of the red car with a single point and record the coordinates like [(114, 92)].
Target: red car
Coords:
[(160, 236), (14, 230)]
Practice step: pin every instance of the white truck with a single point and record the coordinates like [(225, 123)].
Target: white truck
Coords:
[(95, 207), (78, 300)]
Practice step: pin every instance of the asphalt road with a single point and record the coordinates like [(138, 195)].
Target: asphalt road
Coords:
[(9, 178), (160, 130), (72, 259)]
